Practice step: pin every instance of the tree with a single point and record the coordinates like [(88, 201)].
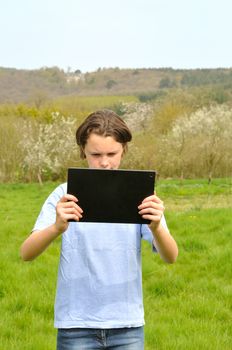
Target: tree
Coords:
[(110, 83), (166, 83), (200, 142), (39, 98), (48, 148)]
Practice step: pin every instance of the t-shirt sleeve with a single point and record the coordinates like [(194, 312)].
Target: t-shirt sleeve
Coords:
[(47, 215), (147, 234)]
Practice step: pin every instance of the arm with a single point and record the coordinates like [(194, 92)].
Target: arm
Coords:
[(39, 240), (152, 208)]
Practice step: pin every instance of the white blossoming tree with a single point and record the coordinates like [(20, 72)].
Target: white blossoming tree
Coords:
[(200, 143), (49, 148), (136, 115)]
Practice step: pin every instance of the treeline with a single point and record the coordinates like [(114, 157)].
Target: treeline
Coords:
[(36, 87), (180, 133)]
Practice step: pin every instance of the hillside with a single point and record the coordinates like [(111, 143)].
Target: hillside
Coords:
[(48, 83)]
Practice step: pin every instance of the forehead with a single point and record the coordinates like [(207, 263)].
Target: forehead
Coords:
[(102, 143)]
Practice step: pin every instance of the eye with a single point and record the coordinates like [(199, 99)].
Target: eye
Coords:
[(111, 154), (95, 155)]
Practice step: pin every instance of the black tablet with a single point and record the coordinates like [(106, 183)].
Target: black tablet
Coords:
[(110, 195)]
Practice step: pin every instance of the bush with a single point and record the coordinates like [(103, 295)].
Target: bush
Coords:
[(199, 144), (48, 148), (170, 138), (11, 155)]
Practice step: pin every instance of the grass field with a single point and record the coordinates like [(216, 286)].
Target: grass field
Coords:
[(188, 305)]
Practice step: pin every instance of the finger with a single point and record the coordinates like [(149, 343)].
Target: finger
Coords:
[(151, 211), (70, 204), (149, 198), (68, 197), (68, 217), (152, 198), (152, 218), (147, 204), (74, 211), (152, 204), (69, 214)]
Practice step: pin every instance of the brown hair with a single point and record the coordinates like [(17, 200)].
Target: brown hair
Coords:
[(105, 123)]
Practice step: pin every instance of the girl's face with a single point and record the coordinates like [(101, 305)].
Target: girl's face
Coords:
[(103, 152)]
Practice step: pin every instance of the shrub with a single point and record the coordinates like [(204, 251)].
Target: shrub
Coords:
[(199, 144), (48, 148), (11, 154)]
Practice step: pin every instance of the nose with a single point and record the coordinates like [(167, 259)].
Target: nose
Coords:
[(104, 162)]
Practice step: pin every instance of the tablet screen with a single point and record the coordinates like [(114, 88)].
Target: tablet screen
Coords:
[(111, 195)]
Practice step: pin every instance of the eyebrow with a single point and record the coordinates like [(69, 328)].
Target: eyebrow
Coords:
[(98, 152)]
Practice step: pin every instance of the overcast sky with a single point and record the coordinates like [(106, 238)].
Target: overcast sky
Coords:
[(88, 34)]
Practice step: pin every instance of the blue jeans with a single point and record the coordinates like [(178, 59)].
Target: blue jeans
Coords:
[(96, 339)]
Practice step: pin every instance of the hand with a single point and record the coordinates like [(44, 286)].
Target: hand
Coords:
[(67, 209), (152, 208)]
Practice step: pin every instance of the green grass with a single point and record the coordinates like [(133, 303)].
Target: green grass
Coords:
[(188, 305)]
